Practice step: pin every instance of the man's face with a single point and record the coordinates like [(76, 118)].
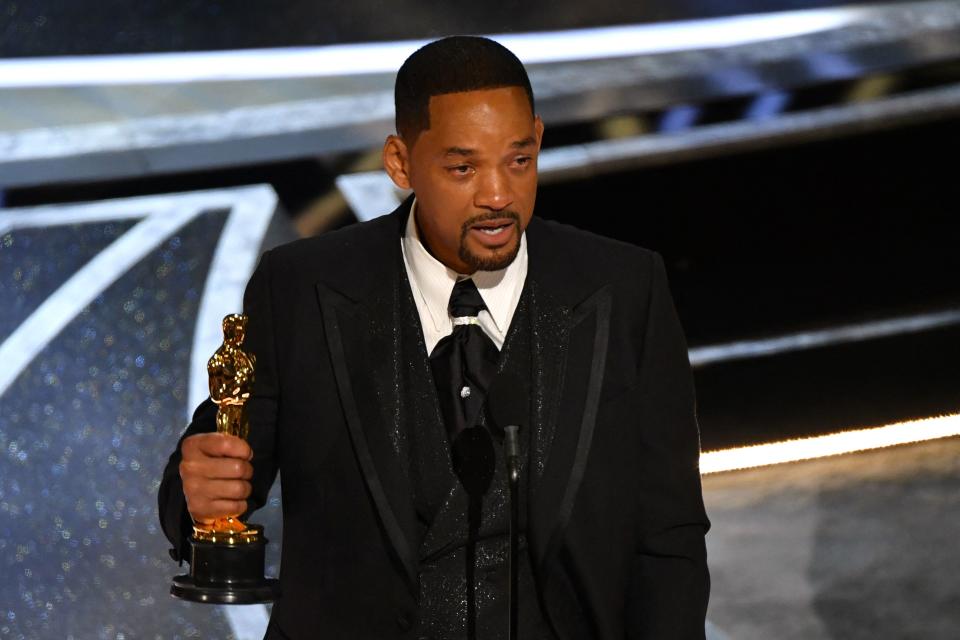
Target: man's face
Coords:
[(475, 175)]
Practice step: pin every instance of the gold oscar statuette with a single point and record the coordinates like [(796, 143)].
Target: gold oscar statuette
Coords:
[(227, 555)]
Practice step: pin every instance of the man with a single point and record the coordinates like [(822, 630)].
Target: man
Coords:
[(352, 332)]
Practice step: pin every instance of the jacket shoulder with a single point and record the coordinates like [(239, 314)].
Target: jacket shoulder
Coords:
[(606, 258), (352, 254), (335, 246)]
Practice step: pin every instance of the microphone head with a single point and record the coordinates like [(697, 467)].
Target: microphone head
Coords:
[(508, 402)]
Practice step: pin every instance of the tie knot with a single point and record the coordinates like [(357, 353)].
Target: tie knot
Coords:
[(465, 300)]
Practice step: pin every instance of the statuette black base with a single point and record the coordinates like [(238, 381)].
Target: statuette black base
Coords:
[(226, 572), (184, 588)]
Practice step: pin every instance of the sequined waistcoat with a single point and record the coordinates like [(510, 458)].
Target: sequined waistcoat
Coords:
[(441, 503)]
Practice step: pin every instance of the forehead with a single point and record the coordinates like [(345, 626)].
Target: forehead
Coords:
[(503, 112)]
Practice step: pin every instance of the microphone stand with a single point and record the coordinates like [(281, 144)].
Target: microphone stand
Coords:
[(512, 449)]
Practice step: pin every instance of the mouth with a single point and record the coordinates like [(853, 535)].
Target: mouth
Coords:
[(493, 229), (493, 233)]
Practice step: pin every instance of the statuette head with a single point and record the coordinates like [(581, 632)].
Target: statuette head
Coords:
[(233, 329)]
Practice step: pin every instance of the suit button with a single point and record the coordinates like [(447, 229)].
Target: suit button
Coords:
[(405, 622)]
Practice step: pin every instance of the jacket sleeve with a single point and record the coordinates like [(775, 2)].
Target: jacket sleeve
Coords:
[(262, 412), (670, 583)]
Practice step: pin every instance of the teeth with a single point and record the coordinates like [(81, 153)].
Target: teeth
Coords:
[(491, 230)]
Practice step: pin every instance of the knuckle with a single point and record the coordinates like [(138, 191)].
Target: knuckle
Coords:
[(231, 490), (231, 507), (240, 490), (193, 491)]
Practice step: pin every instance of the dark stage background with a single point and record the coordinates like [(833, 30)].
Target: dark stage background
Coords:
[(51, 28)]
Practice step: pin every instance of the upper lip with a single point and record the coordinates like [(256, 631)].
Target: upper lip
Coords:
[(490, 224)]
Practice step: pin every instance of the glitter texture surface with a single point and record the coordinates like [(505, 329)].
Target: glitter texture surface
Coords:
[(34, 262), (85, 431)]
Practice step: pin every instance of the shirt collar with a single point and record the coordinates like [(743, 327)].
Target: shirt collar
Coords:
[(435, 280)]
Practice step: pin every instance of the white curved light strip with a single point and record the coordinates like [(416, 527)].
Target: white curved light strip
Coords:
[(161, 217), (20, 348), (53, 215), (830, 445), (386, 57), (872, 330), (327, 112), (247, 621)]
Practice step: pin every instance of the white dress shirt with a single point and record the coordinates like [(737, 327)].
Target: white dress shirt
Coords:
[(432, 283)]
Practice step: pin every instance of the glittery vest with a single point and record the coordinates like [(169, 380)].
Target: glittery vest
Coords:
[(441, 503)]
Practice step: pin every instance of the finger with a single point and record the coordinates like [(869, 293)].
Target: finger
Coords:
[(228, 469), (224, 445), (216, 490), (198, 492), (203, 445), (210, 511), (202, 493), (204, 469)]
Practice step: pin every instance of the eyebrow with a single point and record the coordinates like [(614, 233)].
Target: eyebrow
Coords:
[(526, 142), (465, 152), (458, 151)]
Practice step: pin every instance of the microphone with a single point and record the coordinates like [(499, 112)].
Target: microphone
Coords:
[(508, 408)]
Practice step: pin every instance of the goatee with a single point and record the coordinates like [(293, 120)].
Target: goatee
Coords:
[(494, 262)]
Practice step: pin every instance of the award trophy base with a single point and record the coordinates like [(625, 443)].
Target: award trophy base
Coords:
[(227, 568)]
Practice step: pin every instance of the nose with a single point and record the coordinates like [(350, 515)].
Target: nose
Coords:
[(494, 191)]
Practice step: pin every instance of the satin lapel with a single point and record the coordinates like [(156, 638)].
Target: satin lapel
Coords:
[(364, 346), (569, 356)]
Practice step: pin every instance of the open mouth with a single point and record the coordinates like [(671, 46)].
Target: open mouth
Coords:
[(493, 234), (493, 227), (492, 231)]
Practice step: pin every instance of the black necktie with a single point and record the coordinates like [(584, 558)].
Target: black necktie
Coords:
[(465, 362)]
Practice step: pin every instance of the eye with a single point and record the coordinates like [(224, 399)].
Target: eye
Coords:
[(523, 161), (460, 169)]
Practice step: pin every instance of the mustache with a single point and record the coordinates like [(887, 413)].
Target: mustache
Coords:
[(489, 215)]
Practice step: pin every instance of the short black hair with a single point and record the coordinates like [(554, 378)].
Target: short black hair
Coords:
[(452, 65)]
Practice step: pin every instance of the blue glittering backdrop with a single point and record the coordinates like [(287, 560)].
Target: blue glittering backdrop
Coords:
[(85, 430)]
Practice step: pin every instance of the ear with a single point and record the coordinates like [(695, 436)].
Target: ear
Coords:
[(538, 128), (396, 161)]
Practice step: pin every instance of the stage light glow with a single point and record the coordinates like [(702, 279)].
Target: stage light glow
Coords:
[(819, 338), (386, 57), (830, 445)]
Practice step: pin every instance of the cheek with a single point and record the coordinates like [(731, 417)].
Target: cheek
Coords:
[(447, 229), (526, 198), (443, 226)]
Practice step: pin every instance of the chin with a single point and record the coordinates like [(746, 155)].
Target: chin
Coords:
[(490, 260)]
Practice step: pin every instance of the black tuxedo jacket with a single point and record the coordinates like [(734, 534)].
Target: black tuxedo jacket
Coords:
[(616, 521)]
